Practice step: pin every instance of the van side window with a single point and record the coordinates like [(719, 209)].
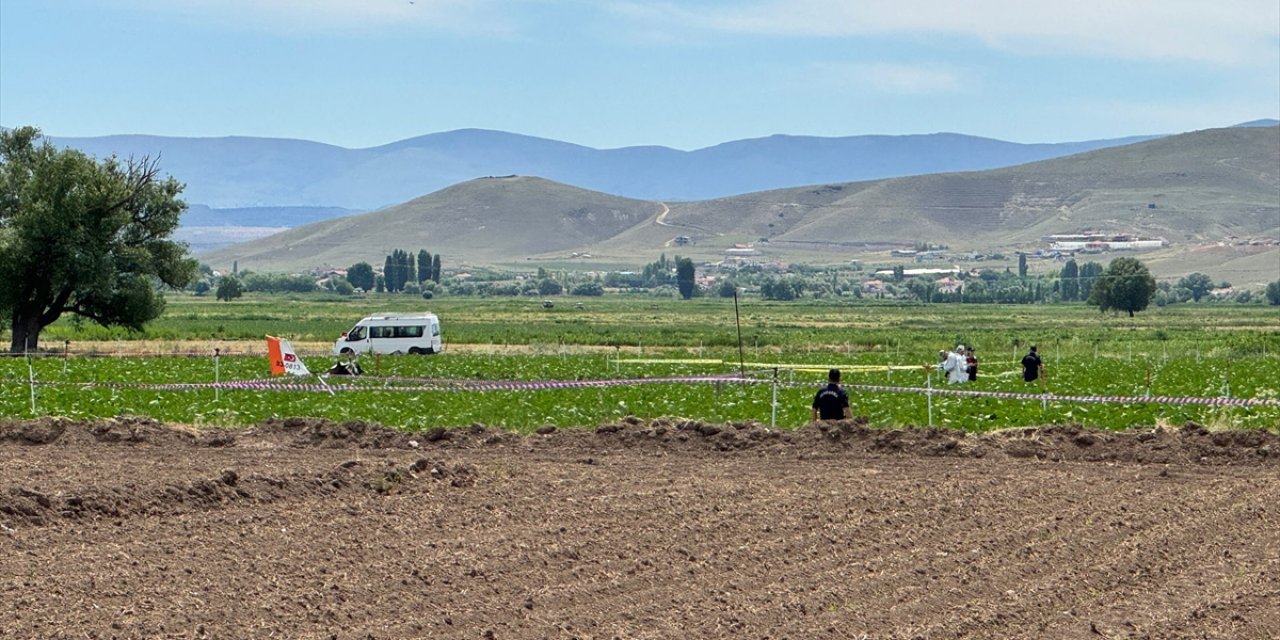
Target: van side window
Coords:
[(435, 329), (381, 332), (355, 334), (409, 332)]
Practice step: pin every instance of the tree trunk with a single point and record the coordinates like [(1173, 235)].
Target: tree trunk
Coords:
[(26, 332)]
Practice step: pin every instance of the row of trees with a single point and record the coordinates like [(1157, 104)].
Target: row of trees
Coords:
[(1072, 283), (1076, 282), (680, 271), (1124, 285), (988, 286), (398, 272)]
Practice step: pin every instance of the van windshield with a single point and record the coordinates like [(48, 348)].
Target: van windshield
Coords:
[(355, 334)]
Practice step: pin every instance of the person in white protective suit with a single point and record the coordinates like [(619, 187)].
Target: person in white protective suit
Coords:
[(954, 365)]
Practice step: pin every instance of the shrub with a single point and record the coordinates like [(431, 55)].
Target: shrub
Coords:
[(588, 289)]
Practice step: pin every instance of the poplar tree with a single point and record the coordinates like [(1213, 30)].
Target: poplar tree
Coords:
[(424, 265)]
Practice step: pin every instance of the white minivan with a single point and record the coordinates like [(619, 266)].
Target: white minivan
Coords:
[(393, 333)]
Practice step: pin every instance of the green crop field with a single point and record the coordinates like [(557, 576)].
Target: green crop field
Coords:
[(1195, 351)]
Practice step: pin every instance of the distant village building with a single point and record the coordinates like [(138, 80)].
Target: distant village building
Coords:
[(1099, 242), (949, 285), (910, 273)]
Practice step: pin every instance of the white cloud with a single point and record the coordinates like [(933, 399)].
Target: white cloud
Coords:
[(1234, 32)]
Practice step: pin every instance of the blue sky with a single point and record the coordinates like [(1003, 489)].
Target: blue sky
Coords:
[(360, 73)]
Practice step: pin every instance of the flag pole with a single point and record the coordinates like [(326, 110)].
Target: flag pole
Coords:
[(326, 384), (217, 382)]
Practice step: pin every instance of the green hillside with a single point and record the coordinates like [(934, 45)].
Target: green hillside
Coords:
[(1204, 186), (484, 221), (1195, 190)]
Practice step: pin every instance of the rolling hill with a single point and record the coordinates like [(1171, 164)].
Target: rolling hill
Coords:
[(489, 220), (242, 172), (1192, 189)]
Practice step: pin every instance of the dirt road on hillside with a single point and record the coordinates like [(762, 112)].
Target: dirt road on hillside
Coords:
[(311, 529)]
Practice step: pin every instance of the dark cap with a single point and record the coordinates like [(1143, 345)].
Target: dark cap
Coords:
[(1033, 347), (833, 375)]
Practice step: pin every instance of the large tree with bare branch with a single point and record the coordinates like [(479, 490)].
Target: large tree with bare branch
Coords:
[(82, 236)]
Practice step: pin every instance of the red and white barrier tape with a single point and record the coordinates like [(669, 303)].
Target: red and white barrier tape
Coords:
[(427, 384), (1053, 397)]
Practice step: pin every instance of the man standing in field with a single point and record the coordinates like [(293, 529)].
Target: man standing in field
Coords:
[(831, 402), (1032, 366)]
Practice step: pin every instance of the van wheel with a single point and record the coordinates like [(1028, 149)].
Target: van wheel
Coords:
[(416, 351), (346, 351)]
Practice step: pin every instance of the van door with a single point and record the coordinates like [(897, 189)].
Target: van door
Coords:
[(352, 341)]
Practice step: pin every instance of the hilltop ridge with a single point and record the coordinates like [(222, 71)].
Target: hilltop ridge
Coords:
[(1192, 189)]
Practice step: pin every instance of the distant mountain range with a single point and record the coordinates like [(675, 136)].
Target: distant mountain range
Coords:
[(1197, 190), (243, 172), (269, 182)]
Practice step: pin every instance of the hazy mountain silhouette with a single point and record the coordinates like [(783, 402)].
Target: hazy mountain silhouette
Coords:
[(245, 172)]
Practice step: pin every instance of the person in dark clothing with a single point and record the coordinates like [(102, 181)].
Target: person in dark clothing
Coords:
[(831, 402), (971, 364), (1032, 366)]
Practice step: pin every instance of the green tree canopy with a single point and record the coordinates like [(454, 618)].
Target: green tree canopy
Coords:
[(685, 277), (342, 286), (229, 288), (1070, 280), (424, 265), (588, 289), (1197, 283), (549, 287), (86, 237), (1089, 273), (1126, 285), (1273, 293), (361, 275), (389, 275)]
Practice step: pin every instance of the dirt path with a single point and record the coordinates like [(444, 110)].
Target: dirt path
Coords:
[(661, 220), (312, 529)]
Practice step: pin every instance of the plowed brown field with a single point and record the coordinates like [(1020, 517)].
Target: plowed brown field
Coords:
[(312, 529)]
